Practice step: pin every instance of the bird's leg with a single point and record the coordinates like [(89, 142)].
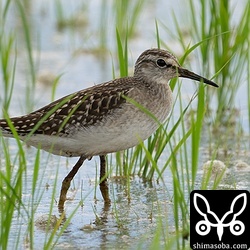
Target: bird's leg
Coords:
[(66, 182), (103, 180), (103, 177)]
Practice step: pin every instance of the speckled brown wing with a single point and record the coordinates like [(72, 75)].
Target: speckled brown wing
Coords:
[(72, 112)]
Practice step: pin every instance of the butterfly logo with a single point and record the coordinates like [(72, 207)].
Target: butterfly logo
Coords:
[(203, 227)]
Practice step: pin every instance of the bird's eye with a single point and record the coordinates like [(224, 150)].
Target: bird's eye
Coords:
[(161, 63)]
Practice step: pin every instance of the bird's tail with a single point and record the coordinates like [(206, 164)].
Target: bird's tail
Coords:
[(9, 126), (5, 129)]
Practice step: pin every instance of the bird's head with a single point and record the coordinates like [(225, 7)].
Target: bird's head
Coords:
[(160, 66)]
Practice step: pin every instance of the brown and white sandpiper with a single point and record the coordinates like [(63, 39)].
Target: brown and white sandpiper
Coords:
[(102, 119)]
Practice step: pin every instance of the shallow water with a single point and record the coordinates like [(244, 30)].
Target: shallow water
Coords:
[(130, 221), (138, 209)]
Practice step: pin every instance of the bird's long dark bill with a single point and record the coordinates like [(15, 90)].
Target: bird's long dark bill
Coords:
[(188, 74)]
